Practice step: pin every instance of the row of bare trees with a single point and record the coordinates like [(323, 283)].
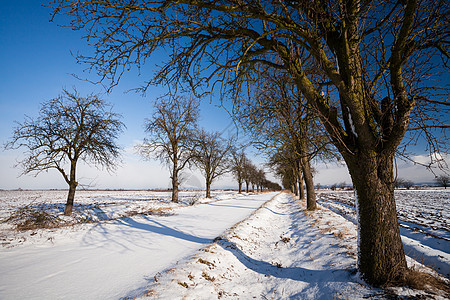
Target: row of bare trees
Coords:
[(174, 138), (71, 128), (282, 124), (371, 72)]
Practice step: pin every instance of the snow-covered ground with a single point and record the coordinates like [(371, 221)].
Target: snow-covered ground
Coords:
[(424, 217), (138, 244), (280, 252), (115, 258)]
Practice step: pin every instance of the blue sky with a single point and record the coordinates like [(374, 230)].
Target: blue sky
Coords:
[(36, 63)]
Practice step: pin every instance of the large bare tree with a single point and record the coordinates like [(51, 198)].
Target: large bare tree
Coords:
[(377, 62), (69, 128), (210, 155), (171, 132)]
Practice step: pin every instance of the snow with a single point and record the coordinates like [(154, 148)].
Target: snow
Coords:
[(296, 256), (139, 244), (423, 218), (280, 252), (116, 258), (351, 123)]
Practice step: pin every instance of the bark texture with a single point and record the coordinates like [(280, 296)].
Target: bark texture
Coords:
[(175, 182), (72, 187), (381, 254)]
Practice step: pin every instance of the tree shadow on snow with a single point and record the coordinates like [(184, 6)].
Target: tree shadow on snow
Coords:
[(293, 273), (162, 229), (131, 231)]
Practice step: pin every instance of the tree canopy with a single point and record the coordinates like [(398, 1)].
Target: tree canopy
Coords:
[(378, 67), (69, 128)]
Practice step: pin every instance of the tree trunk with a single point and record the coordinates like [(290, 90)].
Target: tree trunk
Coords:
[(240, 185), (302, 189), (300, 183), (295, 188), (175, 182), (208, 188), (72, 187), (310, 192), (308, 177), (246, 186), (381, 257)]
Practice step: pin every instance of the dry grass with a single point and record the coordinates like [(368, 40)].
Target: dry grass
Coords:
[(420, 280), (339, 234), (183, 284), (35, 216), (424, 281), (160, 211), (32, 217), (285, 239), (207, 277), (202, 261)]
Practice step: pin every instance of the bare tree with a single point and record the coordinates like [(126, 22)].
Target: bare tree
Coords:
[(69, 128), (408, 184), (278, 118), (210, 155), (237, 162), (171, 131), (260, 179), (248, 174), (285, 165), (379, 67), (399, 182), (443, 180)]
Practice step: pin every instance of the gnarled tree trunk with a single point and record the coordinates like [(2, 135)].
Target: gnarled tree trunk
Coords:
[(381, 255)]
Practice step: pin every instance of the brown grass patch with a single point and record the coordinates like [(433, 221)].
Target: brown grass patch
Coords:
[(339, 234), (207, 277), (423, 281), (29, 218), (202, 261), (160, 211)]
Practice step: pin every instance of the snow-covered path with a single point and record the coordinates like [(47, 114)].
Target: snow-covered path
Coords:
[(115, 259), (282, 251)]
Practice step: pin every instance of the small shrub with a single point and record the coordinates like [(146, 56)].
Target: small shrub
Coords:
[(33, 217)]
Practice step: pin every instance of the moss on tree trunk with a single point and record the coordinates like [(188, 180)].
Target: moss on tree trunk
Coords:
[(381, 258)]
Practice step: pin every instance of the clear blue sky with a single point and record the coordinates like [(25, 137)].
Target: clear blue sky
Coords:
[(36, 63)]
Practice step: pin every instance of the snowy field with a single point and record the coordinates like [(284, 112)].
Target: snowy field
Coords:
[(424, 217), (127, 244), (109, 259)]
